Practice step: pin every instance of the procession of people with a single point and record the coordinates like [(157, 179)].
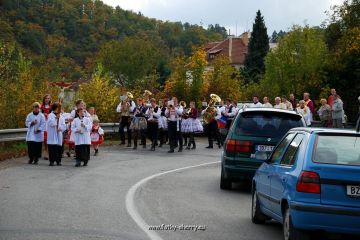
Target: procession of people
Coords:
[(162, 122)]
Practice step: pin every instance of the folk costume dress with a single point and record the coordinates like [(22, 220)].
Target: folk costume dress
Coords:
[(97, 135), (153, 115), (163, 120), (82, 139), (185, 122), (163, 127), (35, 135), (138, 125), (55, 128), (193, 124), (46, 110)]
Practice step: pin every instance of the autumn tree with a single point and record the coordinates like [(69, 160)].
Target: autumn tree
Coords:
[(177, 84), (101, 94), (224, 80), (195, 74), (297, 64), (343, 40)]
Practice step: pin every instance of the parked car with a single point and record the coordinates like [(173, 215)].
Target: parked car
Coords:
[(310, 182), (250, 140)]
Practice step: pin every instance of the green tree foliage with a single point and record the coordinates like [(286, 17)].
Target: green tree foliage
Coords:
[(18, 86), (73, 31), (343, 40), (224, 80), (130, 59), (297, 64), (276, 36), (258, 48)]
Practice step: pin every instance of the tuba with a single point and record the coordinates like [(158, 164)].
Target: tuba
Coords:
[(183, 104), (125, 105), (211, 111)]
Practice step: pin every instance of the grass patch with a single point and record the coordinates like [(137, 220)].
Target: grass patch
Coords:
[(12, 149)]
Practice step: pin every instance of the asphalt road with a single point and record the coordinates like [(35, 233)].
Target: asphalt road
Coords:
[(94, 202)]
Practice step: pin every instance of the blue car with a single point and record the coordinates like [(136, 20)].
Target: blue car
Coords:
[(310, 182)]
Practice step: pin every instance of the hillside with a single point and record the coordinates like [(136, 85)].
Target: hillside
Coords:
[(64, 36)]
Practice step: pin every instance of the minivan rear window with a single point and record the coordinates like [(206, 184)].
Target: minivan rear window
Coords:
[(343, 150), (266, 124)]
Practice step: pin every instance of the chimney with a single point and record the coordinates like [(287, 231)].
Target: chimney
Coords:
[(230, 48)]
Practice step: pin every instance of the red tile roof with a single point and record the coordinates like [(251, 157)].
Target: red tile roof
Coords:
[(233, 47)]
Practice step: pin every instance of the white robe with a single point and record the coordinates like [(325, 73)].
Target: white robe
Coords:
[(305, 112), (54, 136), (40, 125), (82, 134)]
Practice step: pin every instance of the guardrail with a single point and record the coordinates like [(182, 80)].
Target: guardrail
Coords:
[(19, 134)]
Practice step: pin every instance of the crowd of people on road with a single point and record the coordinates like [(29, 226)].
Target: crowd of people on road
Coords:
[(47, 124), (166, 121), (331, 112)]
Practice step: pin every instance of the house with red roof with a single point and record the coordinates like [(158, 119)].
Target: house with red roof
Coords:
[(235, 48)]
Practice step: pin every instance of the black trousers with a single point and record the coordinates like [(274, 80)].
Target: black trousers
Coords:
[(175, 136), (191, 139), (34, 150), (212, 133), (54, 153), (152, 128), (139, 134), (125, 123), (163, 136), (82, 153)]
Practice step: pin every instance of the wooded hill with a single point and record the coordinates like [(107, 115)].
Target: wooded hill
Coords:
[(64, 36)]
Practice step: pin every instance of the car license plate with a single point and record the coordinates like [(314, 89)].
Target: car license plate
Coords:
[(264, 148), (353, 191)]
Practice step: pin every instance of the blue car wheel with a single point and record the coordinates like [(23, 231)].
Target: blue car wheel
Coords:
[(257, 216), (289, 231)]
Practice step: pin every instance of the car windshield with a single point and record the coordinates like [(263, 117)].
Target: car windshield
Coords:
[(332, 149), (267, 124)]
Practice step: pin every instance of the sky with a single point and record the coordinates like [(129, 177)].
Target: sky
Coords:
[(236, 15)]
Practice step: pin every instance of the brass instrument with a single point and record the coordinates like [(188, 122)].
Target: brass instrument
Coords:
[(183, 104), (146, 96), (211, 111), (129, 95), (125, 105)]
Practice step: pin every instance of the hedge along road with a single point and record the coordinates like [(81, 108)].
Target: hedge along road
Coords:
[(122, 193)]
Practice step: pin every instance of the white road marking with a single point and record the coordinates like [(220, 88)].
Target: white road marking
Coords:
[(130, 203)]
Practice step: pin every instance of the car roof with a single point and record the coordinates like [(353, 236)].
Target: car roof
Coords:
[(267, 109), (325, 130)]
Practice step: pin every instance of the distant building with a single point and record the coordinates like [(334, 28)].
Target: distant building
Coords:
[(233, 47)]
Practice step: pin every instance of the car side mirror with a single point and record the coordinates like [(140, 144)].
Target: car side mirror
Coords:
[(358, 125)]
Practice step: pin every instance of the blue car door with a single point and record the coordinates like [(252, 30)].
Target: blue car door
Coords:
[(266, 170), (282, 173)]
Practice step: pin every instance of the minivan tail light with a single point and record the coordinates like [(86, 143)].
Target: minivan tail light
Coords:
[(309, 182), (238, 146)]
